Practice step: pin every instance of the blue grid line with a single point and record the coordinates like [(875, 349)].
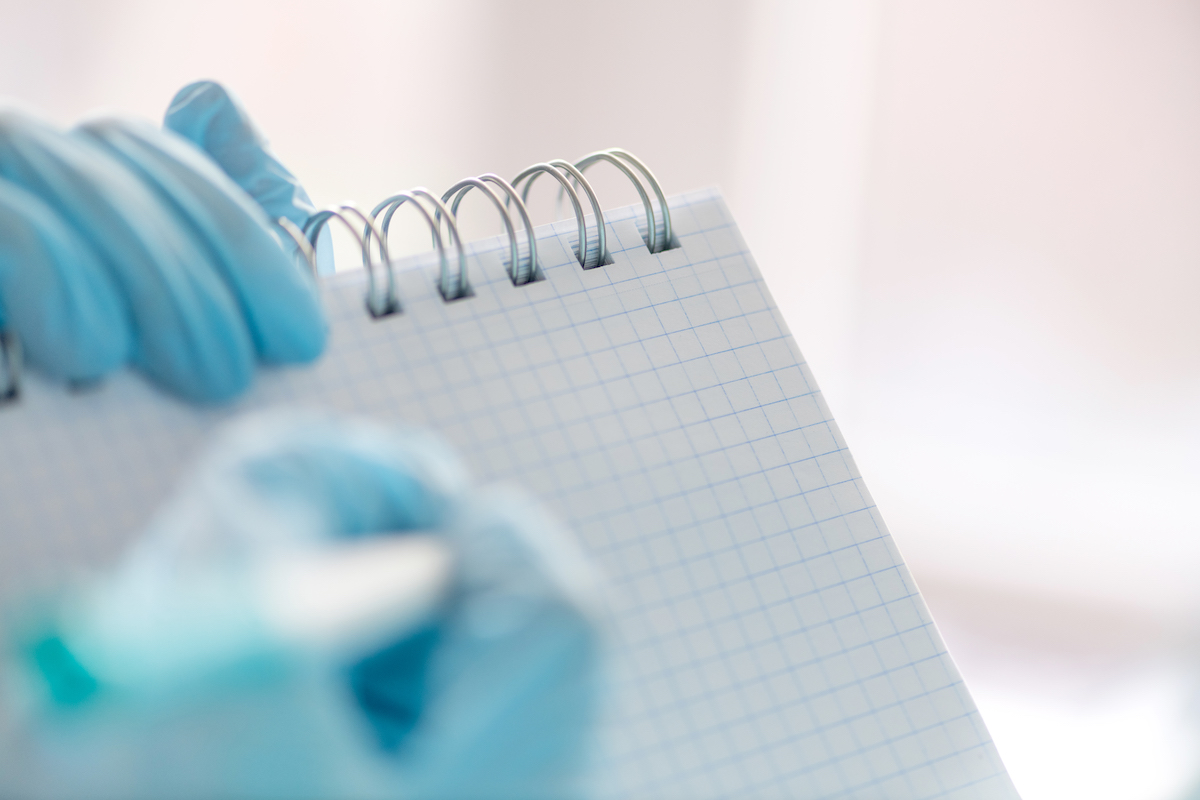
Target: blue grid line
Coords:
[(912, 733), (832, 689)]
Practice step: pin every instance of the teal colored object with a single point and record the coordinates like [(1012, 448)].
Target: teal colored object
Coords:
[(187, 671), (68, 682)]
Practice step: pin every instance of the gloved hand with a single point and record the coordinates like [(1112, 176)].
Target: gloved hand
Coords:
[(249, 646), (122, 243)]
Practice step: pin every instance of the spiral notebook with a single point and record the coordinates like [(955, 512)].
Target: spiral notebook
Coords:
[(771, 640)]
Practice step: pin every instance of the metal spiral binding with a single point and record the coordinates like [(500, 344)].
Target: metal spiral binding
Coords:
[(567, 176), (591, 250), (303, 248), (658, 238)]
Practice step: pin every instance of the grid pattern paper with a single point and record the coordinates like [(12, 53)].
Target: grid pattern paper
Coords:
[(771, 642)]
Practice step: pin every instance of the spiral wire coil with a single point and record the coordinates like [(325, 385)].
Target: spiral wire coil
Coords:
[(509, 200)]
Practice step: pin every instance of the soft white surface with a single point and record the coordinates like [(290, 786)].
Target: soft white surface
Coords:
[(1131, 742), (1084, 701)]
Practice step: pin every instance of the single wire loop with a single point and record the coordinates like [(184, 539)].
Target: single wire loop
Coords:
[(391, 204), (459, 190), (463, 289), (602, 255), (604, 155), (576, 178), (617, 158), (667, 239), (10, 367), (303, 248), (378, 307), (530, 174), (532, 273)]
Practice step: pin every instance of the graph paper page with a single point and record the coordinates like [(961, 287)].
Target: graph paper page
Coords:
[(770, 641)]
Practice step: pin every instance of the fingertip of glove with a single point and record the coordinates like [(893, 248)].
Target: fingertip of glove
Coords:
[(299, 332), (212, 118), (307, 344), (214, 388), (194, 99)]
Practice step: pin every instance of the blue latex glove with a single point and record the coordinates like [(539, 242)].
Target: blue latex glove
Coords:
[(276, 300), (180, 676), (207, 115), (139, 249)]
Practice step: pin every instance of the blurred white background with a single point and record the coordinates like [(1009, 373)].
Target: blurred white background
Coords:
[(981, 220)]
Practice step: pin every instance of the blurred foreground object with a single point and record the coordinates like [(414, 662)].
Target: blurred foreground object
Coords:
[(326, 609)]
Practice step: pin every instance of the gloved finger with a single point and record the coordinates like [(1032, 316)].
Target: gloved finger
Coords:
[(278, 300), (55, 293), (500, 685), (210, 117), (190, 335), (495, 695), (511, 688)]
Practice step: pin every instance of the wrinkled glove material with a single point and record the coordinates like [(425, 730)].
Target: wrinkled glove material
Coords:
[(206, 114), (276, 300), (121, 243)]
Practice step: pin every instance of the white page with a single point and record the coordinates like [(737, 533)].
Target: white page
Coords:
[(771, 641)]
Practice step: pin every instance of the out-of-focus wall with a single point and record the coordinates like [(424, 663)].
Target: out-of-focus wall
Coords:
[(1027, 372), (1024, 397)]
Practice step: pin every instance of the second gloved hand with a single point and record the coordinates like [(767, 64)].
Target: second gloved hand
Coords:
[(467, 668)]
